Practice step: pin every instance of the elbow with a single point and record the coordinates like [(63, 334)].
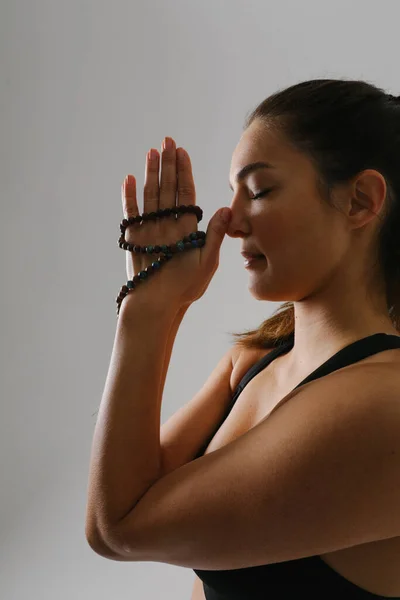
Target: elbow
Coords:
[(98, 545)]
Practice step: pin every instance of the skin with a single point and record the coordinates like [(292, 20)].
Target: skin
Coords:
[(316, 256)]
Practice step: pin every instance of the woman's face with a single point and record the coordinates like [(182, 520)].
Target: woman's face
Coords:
[(303, 239)]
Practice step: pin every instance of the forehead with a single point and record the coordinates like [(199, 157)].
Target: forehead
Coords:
[(257, 142), (260, 142)]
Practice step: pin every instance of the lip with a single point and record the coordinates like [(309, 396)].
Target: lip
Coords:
[(251, 255), (252, 262)]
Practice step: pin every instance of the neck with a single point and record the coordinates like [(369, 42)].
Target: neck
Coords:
[(322, 329)]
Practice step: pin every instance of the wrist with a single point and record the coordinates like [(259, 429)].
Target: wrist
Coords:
[(141, 305)]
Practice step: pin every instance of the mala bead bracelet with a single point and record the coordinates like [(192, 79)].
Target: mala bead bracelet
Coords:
[(193, 240)]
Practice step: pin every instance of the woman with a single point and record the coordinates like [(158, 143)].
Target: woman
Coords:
[(294, 484)]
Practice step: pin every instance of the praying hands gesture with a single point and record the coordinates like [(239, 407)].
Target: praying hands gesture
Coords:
[(183, 279)]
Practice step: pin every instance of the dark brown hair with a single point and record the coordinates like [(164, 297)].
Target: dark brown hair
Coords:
[(343, 126)]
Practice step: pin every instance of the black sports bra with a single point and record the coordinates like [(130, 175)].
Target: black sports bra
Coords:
[(309, 576)]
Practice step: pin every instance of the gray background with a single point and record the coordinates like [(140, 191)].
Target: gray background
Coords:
[(87, 87)]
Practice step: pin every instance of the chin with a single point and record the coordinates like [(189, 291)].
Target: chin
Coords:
[(262, 291), (268, 295)]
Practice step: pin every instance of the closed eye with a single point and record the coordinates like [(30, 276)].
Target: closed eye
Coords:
[(261, 194)]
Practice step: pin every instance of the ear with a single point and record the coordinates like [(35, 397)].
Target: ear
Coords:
[(369, 194)]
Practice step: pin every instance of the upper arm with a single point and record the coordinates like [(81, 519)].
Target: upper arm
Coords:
[(186, 431), (320, 474)]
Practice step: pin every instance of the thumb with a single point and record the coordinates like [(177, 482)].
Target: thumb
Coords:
[(216, 230)]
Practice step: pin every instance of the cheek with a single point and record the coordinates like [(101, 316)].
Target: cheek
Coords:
[(300, 246), (282, 235)]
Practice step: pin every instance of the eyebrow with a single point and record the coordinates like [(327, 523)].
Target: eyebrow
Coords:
[(243, 173)]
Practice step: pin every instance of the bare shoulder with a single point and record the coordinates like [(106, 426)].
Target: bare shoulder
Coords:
[(379, 373), (384, 365), (241, 355), (243, 359), (373, 382)]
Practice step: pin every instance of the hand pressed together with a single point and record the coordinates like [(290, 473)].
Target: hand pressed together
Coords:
[(183, 279)]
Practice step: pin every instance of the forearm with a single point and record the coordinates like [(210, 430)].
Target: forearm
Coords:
[(169, 346), (126, 457)]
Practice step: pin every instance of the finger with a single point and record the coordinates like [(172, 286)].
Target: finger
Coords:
[(186, 187), (151, 184), (129, 201), (167, 197)]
